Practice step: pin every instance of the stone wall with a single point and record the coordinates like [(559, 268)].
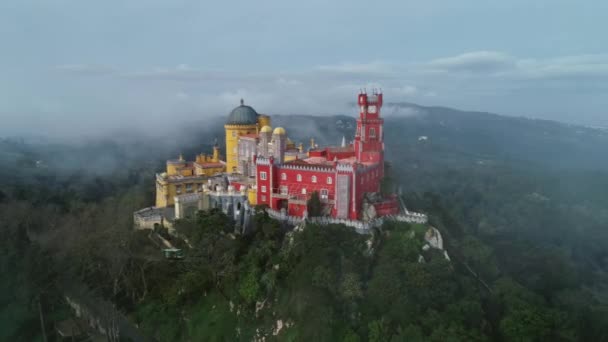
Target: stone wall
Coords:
[(360, 227)]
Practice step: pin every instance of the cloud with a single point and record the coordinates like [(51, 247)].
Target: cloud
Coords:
[(495, 63), (373, 68), (567, 67), (85, 69), (181, 72), (479, 80), (475, 62)]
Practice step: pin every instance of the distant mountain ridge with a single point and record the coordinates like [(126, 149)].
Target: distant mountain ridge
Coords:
[(477, 135)]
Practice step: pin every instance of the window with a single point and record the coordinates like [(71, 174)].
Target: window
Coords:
[(299, 177), (178, 189), (234, 134), (283, 176), (372, 132), (324, 194), (304, 191), (263, 175), (263, 198), (189, 187), (328, 180), (263, 188), (283, 190), (314, 179)]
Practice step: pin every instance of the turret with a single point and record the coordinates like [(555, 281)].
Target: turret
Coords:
[(279, 144), (265, 138), (216, 153), (368, 142)]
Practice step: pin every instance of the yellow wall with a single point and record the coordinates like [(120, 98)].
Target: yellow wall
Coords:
[(173, 167), (252, 197), (165, 191), (208, 171), (161, 190), (290, 158), (232, 138)]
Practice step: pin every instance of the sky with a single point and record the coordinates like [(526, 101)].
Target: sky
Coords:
[(82, 68)]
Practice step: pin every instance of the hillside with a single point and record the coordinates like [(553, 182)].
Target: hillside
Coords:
[(520, 203)]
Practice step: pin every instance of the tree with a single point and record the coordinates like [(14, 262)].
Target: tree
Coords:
[(314, 205), (378, 331)]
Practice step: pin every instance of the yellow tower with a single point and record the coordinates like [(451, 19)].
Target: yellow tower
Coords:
[(242, 120), (264, 120)]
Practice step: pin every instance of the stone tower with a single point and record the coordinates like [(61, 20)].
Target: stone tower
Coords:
[(279, 144)]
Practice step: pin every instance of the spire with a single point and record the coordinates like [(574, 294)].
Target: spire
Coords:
[(181, 157), (343, 141), (242, 102)]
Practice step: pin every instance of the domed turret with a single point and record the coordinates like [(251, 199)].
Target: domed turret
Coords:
[(279, 131), (242, 115), (266, 129)]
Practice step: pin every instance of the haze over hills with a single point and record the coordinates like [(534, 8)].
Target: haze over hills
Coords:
[(441, 132), (412, 132)]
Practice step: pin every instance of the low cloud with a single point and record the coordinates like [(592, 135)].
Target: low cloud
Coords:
[(495, 63), (148, 98), (358, 68), (85, 69), (475, 62), (568, 67)]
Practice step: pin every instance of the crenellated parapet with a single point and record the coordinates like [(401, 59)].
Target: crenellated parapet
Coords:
[(300, 167), (344, 168)]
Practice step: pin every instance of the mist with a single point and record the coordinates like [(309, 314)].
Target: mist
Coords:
[(69, 72)]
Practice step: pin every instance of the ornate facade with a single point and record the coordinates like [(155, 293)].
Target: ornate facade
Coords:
[(264, 167)]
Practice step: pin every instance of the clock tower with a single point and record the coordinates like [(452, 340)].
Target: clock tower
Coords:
[(369, 145)]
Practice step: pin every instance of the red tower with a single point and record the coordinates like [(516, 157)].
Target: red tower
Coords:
[(369, 145)]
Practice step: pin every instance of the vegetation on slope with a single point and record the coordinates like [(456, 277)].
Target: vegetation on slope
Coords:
[(527, 241)]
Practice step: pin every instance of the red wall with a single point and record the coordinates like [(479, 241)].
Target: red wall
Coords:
[(295, 187), (263, 198), (368, 181), (388, 207), (331, 155)]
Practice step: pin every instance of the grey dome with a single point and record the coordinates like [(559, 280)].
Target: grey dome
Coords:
[(242, 115)]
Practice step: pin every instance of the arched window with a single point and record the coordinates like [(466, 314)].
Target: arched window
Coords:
[(329, 180), (283, 176), (324, 194), (299, 177), (304, 191), (314, 179), (372, 132)]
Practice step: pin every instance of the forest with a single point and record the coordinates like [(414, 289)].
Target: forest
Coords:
[(526, 236)]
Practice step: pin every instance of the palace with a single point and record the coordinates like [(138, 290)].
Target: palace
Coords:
[(264, 167)]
